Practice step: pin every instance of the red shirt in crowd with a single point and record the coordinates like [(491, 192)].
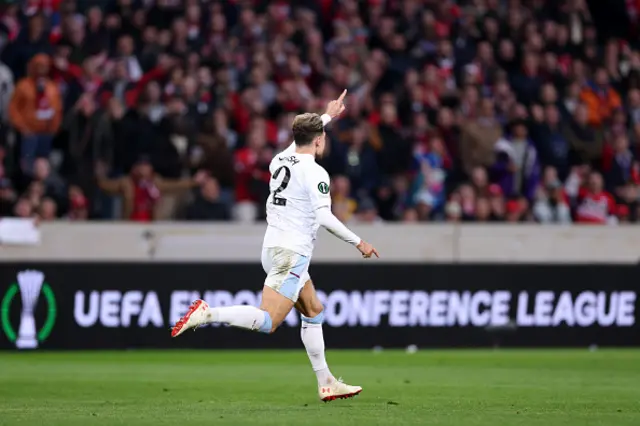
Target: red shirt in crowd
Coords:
[(146, 194), (595, 208), (245, 160)]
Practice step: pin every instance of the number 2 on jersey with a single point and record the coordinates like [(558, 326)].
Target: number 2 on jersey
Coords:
[(279, 201)]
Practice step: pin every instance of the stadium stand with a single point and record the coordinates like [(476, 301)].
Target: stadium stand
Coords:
[(478, 111)]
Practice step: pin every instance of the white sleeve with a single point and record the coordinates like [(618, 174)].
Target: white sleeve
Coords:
[(317, 180), (326, 118), (317, 186), (337, 228)]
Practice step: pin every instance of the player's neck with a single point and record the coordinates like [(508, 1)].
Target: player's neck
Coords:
[(311, 150)]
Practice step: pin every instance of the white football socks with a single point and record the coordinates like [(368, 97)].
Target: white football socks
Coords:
[(252, 318), (242, 316), (313, 340)]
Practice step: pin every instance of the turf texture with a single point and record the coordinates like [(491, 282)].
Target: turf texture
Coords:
[(471, 388)]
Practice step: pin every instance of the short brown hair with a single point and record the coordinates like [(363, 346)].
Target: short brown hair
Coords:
[(306, 127)]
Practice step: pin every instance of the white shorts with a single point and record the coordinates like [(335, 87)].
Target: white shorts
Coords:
[(287, 271)]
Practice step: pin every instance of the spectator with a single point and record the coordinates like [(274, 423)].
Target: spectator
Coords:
[(394, 150), (245, 164), (211, 152), (53, 185), (550, 205), (623, 177), (548, 94), (386, 201), (27, 45), (175, 136), (410, 216), (78, 205), (528, 81), (480, 181), (453, 211), (97, 35), (48, 210), (125, 51), (142, 188), (479, 137), (35, 111), (139, 132), (483, 210), (549, 140), (595, 205), (430, 182), (571, 100), (367, 212), (517, 169), (466, 198), (516, 210), (207, 206), (23, 209), (600, 98), (79, 130), (108, 145), (342, 204), (35, 193), (586, 142), (449, 131), (622, 214), (357, 160), (623, 168)]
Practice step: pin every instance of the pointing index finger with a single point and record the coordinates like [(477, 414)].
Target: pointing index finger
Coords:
[(341, 98)]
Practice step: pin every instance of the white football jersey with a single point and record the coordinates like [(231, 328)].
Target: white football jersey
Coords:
[(299, 186)]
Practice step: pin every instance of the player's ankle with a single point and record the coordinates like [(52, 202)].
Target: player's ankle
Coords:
[(213, 315), (325, 377), (326, 381)]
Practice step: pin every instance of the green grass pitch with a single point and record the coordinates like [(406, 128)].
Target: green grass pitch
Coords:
[(453, 388)]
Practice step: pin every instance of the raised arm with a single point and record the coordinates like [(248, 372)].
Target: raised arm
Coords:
[(334, 109)]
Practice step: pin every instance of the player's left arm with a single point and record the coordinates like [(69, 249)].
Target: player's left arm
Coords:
[(318, 189)]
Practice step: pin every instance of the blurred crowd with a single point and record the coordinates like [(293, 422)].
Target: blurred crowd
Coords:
[(468, 110)]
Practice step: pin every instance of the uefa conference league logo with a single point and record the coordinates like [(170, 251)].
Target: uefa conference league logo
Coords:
[(30, 285)]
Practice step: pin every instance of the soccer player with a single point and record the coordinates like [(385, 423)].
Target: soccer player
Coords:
[(299, 203)]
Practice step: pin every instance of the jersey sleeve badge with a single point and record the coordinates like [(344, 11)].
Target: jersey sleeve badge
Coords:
[(323, 187)]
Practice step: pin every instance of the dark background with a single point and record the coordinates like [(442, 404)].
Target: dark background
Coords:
[(66, 278)]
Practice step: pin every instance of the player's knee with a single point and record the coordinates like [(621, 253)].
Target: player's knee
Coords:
[(267, 327), (316, 316)]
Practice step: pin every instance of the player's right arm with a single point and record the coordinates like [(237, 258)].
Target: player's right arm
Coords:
[(318, 189)]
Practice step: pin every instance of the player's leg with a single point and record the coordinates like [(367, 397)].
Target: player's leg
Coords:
[(280, 292), (241, 316), (312, 316)]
